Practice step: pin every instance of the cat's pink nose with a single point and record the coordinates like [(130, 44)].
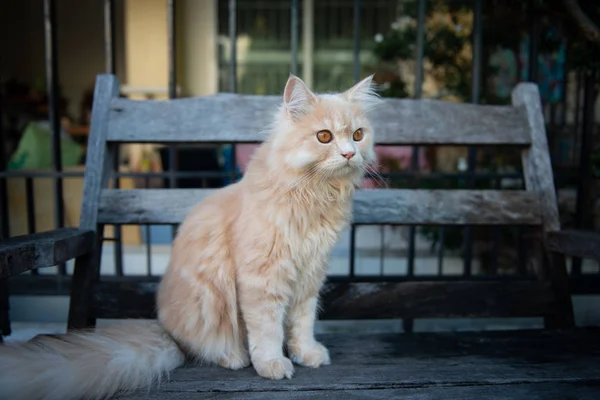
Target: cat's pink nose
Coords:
[(348, 155)]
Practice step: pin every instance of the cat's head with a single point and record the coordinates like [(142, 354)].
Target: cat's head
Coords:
[(326, 134)]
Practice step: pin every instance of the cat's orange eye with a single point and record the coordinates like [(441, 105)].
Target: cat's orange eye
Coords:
[(358, 135), (324, 136)]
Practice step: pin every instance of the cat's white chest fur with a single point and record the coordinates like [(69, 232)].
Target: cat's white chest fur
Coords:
[(311, 238)]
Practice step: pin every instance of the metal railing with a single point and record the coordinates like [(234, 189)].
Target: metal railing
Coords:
[(412, 177)]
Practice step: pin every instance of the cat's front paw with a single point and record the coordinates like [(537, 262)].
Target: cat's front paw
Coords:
[(277, 368), (313, 355), (235, 361)]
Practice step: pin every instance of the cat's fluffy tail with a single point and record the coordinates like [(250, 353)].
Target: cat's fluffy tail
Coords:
[(90, 365)]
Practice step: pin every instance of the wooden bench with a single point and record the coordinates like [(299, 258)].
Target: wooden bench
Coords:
[(382, 365), (231, 118)]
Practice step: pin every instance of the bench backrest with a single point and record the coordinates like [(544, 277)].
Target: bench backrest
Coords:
[(232, 118)]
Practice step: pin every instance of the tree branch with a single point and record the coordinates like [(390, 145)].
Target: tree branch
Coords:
[(589, 28)]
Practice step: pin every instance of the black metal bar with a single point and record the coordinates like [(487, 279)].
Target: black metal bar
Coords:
[(352, 272), (578, 79), (477, 51), (522, 254), (356, 48), (109, 37), (233, 44), (534, 41), (148, 243), (5, 328), (412, 229), (584, 204), (173, 154), (475, 98), (118, 232), (408, 325), (233, 172), (172, 48), (233, 72), (442, 244), (294, 37), (418, 93), (497, 237), (54, 110), (382, 250), (110, 59), (30, 207), (4, 223), (172, 82), (468, 241), (148, 251), (420, 48)]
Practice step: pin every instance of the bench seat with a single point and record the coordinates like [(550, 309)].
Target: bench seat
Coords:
[(528, 365)]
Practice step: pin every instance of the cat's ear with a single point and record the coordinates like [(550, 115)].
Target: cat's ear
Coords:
[(297, 97), (364, 93)]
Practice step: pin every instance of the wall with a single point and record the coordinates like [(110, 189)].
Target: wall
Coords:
[(198, 61), (146, 44)]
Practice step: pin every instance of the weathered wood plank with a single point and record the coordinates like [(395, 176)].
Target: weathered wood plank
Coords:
[(516, 391), (436, 299), (98, 162), (227, 117), (377, 206), (50, 285), (584, 244), (362, 300), (428, 361), (536, 160), (44, 249), (539, 179)]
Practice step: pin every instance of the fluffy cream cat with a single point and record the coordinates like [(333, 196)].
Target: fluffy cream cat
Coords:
[(246, 269)]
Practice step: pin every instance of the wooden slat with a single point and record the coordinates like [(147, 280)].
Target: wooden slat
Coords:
[(436, 299), (537, 167), (48, 285), (227, 117), (44, 249), (539, 179), (584, 244), (97, 167), (376, 206), (516, 391), (361, 300), (450, 366)]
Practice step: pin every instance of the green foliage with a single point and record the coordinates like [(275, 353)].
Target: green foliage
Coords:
[(396, 44), (448, 38)]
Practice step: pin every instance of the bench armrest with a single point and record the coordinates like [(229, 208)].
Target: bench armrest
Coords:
[(575, 243), (45, 249)]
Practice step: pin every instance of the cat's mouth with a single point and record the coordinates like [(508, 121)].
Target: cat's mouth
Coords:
[(348, 167)]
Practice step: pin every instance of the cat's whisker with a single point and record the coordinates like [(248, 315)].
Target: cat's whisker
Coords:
[(306, 177), (376, 177), (299, 188)]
